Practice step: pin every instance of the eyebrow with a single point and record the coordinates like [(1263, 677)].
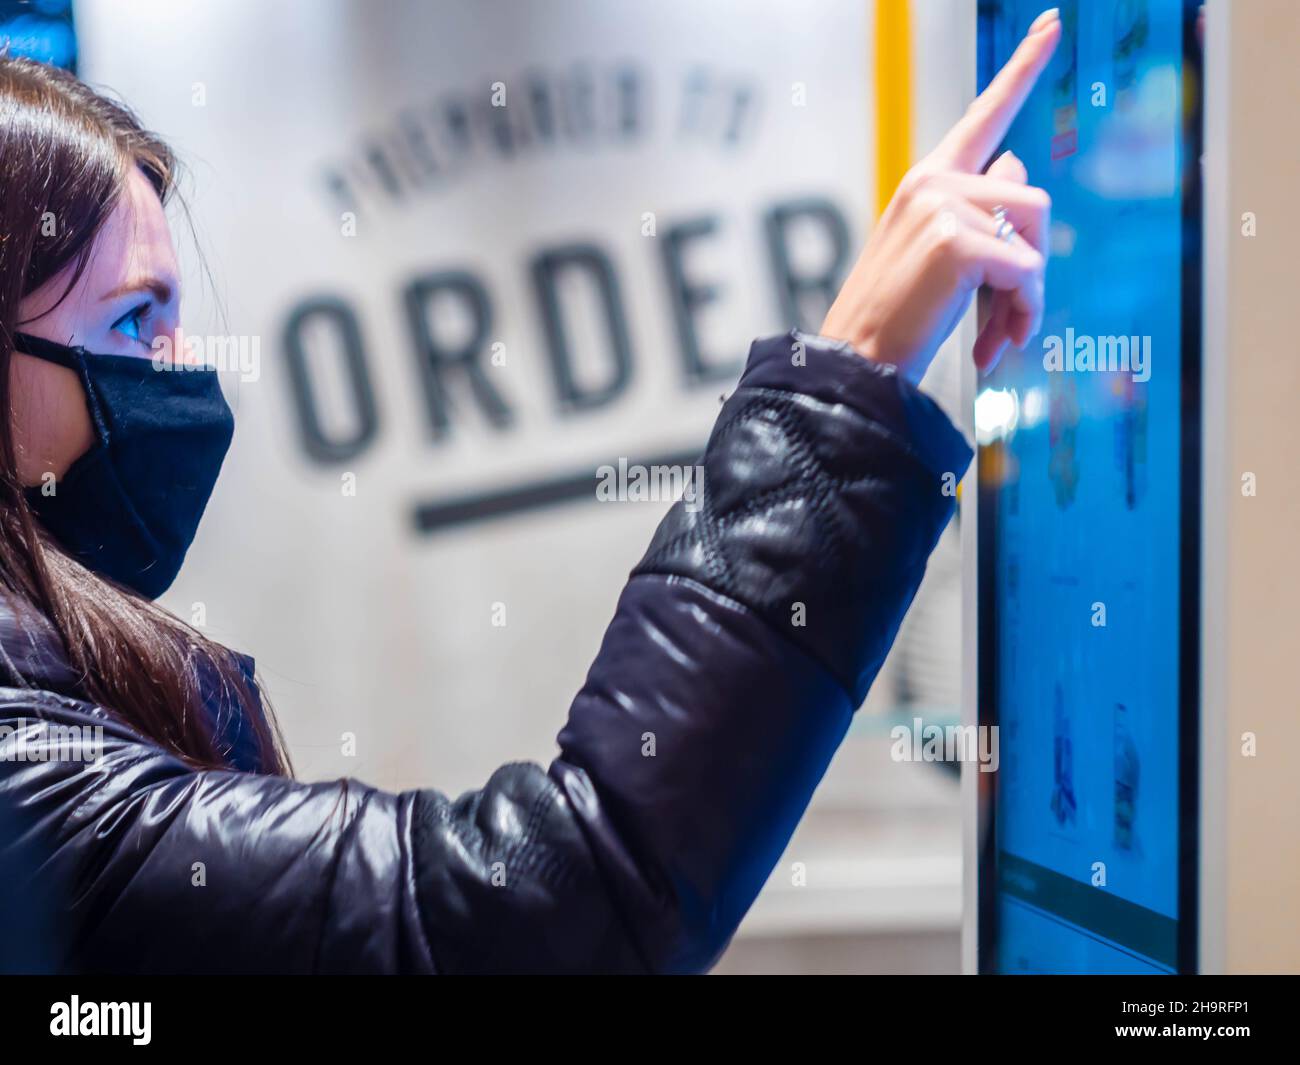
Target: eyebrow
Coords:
[(161, 290)]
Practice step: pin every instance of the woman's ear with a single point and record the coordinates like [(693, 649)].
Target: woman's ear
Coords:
[(51, 424)]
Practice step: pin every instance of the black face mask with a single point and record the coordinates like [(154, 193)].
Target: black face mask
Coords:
[(129, 507)]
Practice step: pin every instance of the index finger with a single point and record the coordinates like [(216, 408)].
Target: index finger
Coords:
[(971, 141)]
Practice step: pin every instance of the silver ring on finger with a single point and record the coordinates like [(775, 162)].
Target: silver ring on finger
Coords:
[(1005, 230)]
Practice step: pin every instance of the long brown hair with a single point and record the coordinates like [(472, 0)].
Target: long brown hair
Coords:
[(66, 153)]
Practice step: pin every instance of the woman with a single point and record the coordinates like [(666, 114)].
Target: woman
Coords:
[(139, 759)]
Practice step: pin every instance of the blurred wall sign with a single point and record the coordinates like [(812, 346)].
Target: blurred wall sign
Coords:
[(409, 160)]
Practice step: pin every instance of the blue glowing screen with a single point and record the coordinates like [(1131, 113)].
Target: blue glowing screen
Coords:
[(1082, 506)]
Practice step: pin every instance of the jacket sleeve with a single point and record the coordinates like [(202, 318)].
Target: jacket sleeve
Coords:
[(740, 648)]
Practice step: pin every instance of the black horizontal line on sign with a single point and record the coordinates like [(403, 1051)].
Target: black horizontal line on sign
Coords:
[(437, 515)]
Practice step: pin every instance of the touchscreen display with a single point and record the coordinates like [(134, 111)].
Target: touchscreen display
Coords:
[(1084, 501)]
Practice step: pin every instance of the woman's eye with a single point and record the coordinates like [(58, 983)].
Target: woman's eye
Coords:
[(129, 324)]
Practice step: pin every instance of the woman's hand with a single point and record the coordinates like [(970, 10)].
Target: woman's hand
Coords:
[(937, 241)]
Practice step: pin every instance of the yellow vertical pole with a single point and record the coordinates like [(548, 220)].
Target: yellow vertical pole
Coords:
[(893, 97)]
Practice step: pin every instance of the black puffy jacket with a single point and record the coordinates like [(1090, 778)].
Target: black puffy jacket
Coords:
[(741, 647)]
